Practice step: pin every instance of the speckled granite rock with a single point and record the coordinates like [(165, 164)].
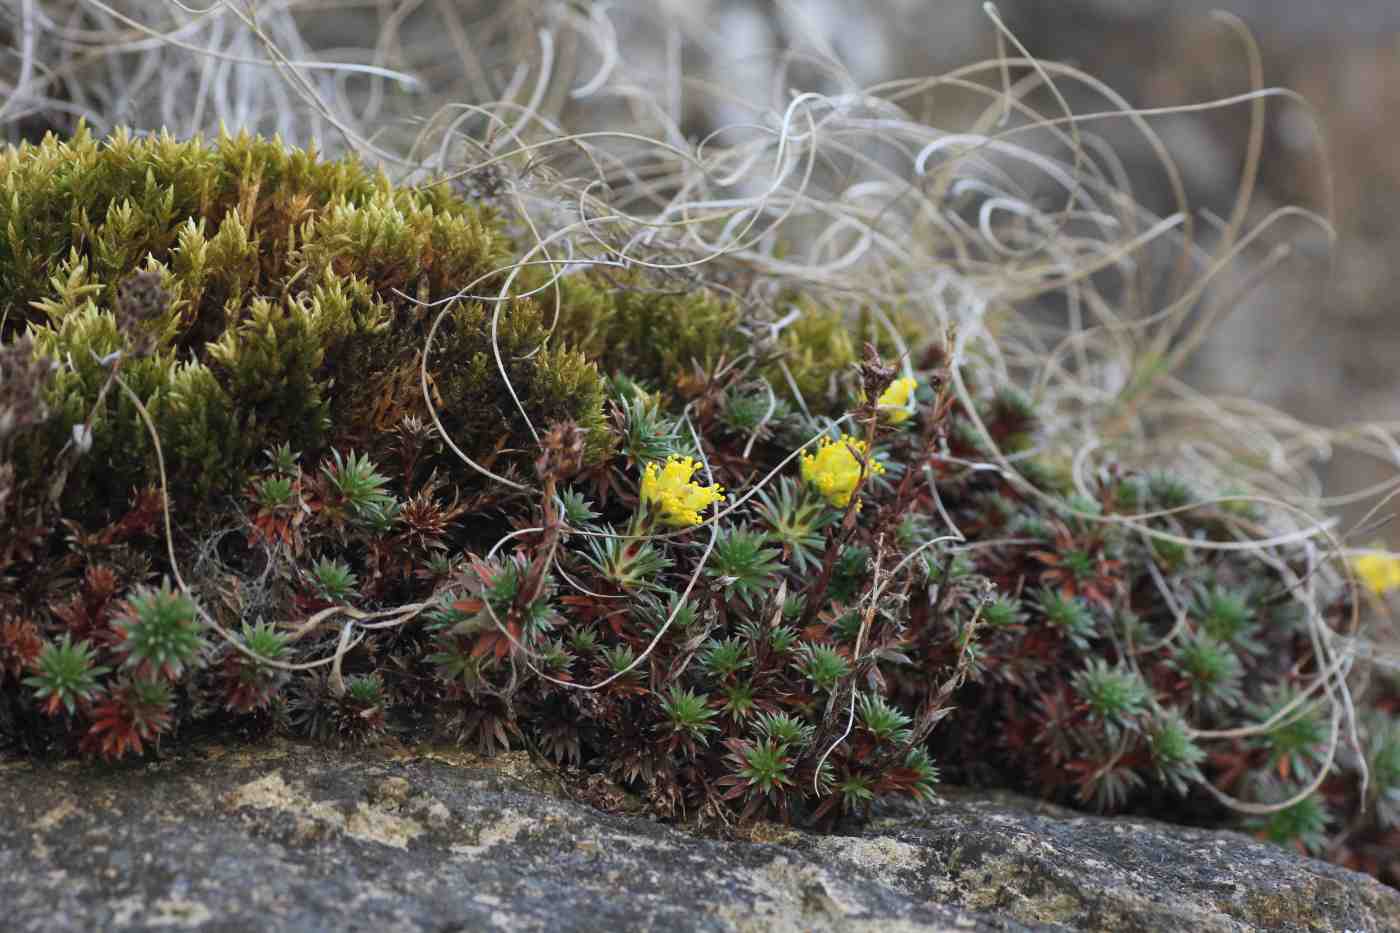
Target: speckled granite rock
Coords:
[(291, 837)]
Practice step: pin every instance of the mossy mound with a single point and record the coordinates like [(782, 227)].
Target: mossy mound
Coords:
[(277, 297), (750, 570)]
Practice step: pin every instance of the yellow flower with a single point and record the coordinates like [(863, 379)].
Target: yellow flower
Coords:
[(1380, 572), (835, 470), (675, 497), (894, 402)]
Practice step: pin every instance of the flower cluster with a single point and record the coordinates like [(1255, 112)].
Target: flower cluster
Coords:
[(837, 468), (677, 499), (895, 403), (1379, 573)]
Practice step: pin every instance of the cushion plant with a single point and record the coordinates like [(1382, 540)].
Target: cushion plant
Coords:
[(286, 447)]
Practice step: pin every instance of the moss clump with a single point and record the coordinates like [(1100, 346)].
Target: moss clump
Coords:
[(283, 297), (820, 347), (819, 350), (610, 315)]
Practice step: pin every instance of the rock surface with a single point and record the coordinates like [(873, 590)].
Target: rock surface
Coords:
[(285, 836)]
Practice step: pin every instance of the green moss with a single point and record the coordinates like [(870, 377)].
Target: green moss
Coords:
[(287, 316), (818, 348), (822, 346), (651, 329)]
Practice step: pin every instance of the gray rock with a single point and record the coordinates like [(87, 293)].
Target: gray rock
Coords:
[(291, 837)]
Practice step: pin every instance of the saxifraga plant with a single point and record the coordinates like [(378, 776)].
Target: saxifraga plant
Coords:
[(796, 607)]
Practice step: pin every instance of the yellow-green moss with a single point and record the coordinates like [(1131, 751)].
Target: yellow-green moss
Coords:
[(651, 329), (298, 295), (822, 346), (818, 349), (298, 300)]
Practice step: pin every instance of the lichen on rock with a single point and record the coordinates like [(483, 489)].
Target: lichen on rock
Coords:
[(419, 840)]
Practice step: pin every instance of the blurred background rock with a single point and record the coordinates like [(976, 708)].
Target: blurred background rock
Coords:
[(1323, 348)]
